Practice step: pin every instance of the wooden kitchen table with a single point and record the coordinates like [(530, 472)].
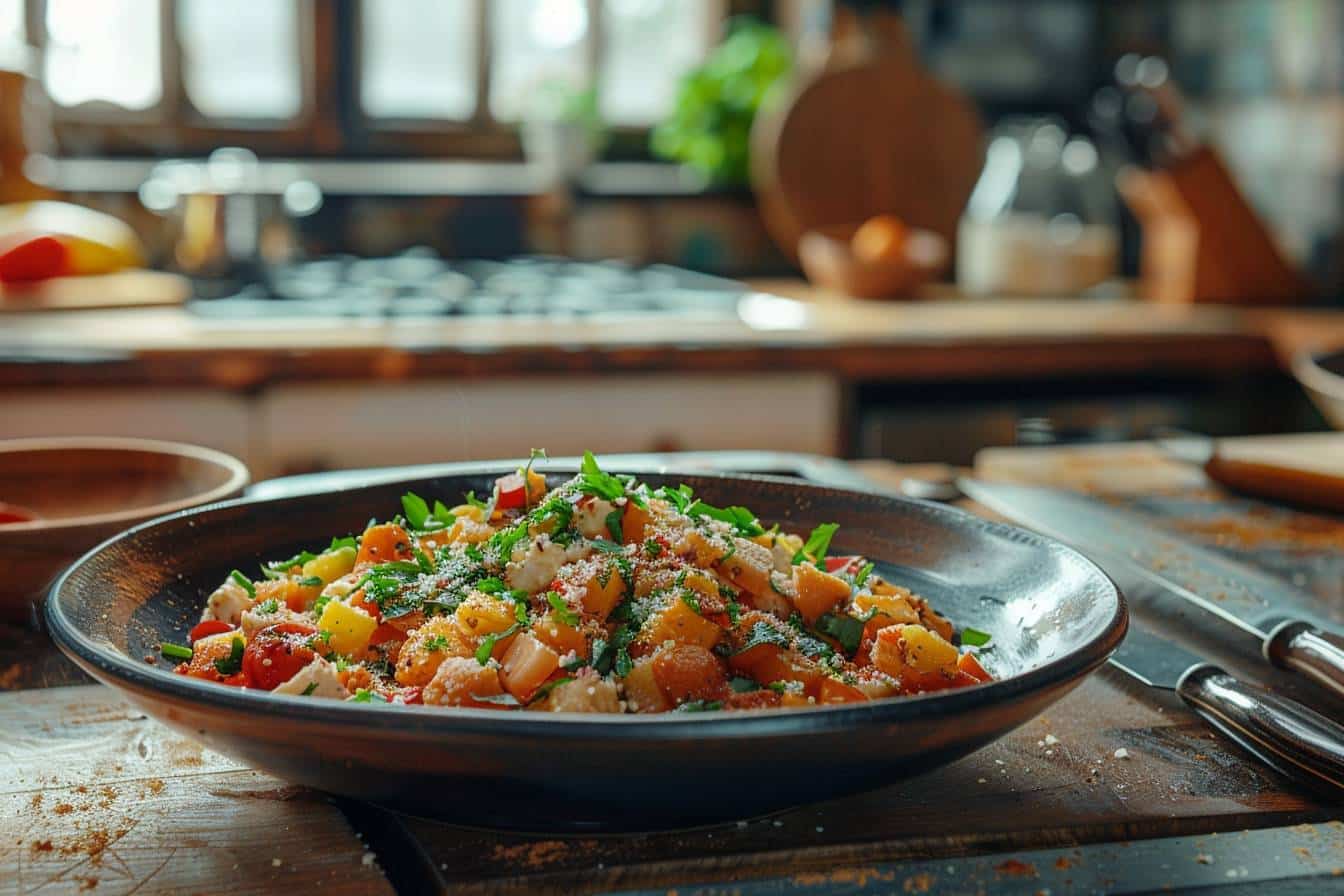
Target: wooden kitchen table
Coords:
[(97, 797)]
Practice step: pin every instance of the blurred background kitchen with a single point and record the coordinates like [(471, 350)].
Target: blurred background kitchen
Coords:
[(320, 235)]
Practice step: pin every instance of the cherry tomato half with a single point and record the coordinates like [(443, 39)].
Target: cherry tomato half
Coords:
[(276, 653), (835, 564), (512, 491), (208, 628)]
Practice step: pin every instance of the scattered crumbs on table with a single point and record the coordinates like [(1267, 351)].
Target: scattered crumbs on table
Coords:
[(1121, 753), (1204, 858), (1016, 868), (275, 863), (1051, 740)]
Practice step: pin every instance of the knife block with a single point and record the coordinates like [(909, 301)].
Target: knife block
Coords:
[(1202, 241)]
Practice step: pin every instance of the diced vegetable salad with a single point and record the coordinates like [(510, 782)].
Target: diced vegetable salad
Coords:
[(598, 595)]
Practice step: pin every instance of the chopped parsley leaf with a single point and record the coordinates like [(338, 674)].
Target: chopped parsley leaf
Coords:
[(489, 641), (470, 498), (700, 706), (311, 582), (308, 691), (561, 609), (679, 497), (175, 651), (547, 688), (607, 547), (863, 575), (843, 628), (623, 663), (817, 544), (692, 600), (417, 512), (742, 520), (364, 696), (245, 583), (614, 524), (652, 548), (271, 605), (592, 481), (764, 632), (741, 685), (319, 605), (974, 637), (438, 643), (233, 663)]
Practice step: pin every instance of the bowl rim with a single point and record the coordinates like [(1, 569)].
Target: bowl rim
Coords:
[(1306, 367), (238, 477), (413, 721)]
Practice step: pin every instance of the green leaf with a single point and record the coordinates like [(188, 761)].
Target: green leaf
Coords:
[(339, 543), (488, 643), (245, 583), (974, 637), (652, 548), (470, 498), (443, 514), (623, 664), (497, 699), (679, 497), (422, 560), (561, 609), (614, 524), (692, 600), (817, 544), (547, 688), (233, 663), (863, 575), (700, 706), (763, 632), (311, 581), (741, 685), (845, 629), (607, 547), (416, 510), (505, 540), (741, 519), (280, 568), (308, 691), (364, 696), (592, 481), (318, 606), (806, 643), (272, 605), (175, 651)]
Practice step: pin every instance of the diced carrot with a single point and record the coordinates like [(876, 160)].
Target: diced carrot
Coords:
[(687, 672), (634, 522), (818, 592), (678, 622), (834, 691), (289, 593), (525, 666), (560, 637), (383, 543), (600, 599), (969, 665)]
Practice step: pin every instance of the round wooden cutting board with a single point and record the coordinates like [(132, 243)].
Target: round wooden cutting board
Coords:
[(870, 133)]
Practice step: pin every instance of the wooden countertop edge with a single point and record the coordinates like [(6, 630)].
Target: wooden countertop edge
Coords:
[(959, 357)]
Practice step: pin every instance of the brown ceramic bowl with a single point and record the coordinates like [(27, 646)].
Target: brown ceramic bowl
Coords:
[(85, 490), (828, 261), (1054, 617), (1322, 376)]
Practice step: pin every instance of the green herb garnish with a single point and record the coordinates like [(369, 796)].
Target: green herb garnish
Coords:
[(607, 547), (700, 706), (245, 583), (175, 651), (561, 609), (614, 524), (652, 548), (311, 582), (365, 696), (741, 519), (679, 497), (488, 643), (974, 637), (843, 628), (233, 663), (817, 544), (863, 575), (308, 691), (740, 685)]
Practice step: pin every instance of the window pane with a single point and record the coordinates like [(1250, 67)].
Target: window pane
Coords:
[(533, 42), (418, 58), (241, 60), (648, 46), (11, 21), (103, 51)]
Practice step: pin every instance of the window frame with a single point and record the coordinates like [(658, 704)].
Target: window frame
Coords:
[(331, 121)]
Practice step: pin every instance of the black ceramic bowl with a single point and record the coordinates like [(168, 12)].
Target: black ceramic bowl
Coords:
[(1054, 617)]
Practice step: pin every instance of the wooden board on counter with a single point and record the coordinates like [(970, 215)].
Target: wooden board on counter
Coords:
[(124, 289)]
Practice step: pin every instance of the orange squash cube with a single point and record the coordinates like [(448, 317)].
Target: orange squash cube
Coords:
[(600, 599), (677, 622), (818, 592)]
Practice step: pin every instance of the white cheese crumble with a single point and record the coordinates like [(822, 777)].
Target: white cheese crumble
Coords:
[(319, 673), (227, 603)]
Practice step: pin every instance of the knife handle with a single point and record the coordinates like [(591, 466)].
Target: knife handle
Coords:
[(1305, 649), (1283, 733)]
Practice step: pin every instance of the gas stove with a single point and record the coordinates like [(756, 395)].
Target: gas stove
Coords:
[(420, 284)]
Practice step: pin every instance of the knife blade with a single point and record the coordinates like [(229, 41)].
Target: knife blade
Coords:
[(1279, 617), (1282, 733)]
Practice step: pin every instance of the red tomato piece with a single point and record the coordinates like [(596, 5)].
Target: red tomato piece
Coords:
[(836, 564), (13, 513), (384, 633), (30, 258), (512, 492), (276, 653), (208, 628)]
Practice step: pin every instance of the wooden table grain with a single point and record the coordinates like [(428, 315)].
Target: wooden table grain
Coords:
[(90, 789)]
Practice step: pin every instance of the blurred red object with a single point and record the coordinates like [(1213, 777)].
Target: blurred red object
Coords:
[(26, 258)]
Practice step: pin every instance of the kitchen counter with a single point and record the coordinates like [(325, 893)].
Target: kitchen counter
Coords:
[(851, 340), (101, 796)]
